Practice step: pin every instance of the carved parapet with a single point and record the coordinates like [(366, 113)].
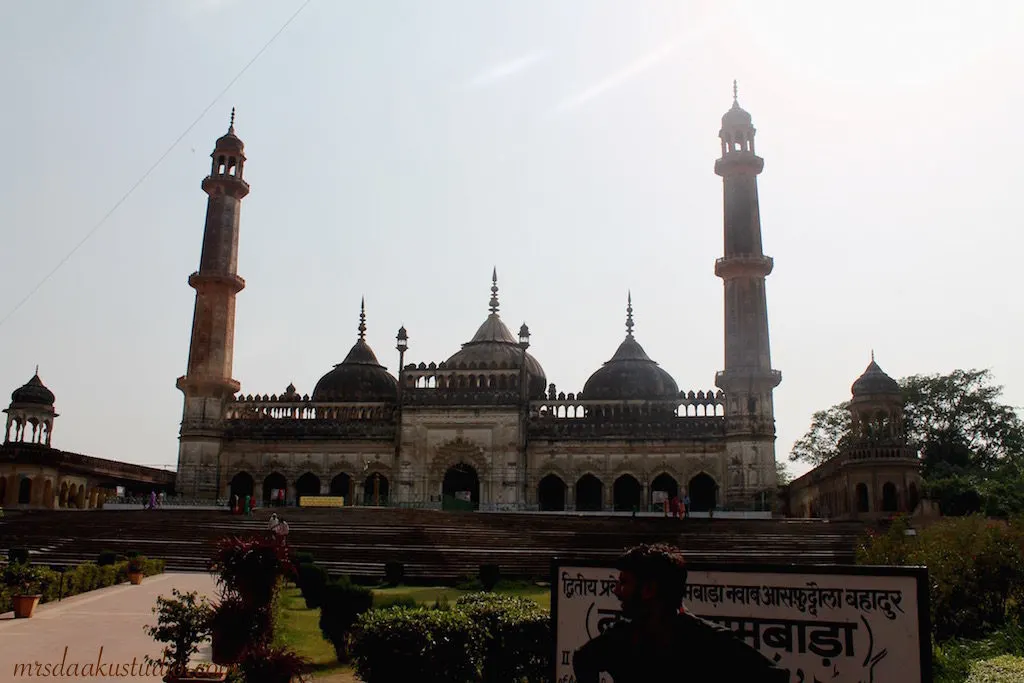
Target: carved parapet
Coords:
[(887, 452), (672, 428), (460, 397), (310, 429), (272, 408), (688, 405)]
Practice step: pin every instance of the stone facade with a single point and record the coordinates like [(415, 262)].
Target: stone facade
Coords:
[(484, 428)]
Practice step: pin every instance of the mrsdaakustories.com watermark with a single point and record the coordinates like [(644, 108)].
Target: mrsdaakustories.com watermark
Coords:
[(83, 669)]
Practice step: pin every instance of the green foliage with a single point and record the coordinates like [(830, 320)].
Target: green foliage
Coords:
[(341, 605), (490, 574), (440, 646), (829, 431), (441, 603), (273, 665), (394, 572), (997, 670), (956, 660), (301, 557), (782, 474), (22, 578), (16, 555), (80, 579), (106, 558), (183, 622), (400, 602), (312, 579), (975, 570), (251, 567), (516, 636)]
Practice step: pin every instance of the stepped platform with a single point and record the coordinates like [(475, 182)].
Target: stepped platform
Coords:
[(435, 546)]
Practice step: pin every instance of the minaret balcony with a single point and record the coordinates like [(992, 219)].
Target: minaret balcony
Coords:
[(751, 265), (229, 280), (747, 377), (232, 185), (739, 162)]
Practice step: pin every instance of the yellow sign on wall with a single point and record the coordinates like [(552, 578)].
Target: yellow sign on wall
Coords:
[(321, 501)]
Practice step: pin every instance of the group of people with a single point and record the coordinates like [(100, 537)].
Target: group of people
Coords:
[(278, 528), (242, 506), (678, 508), (155, 500)]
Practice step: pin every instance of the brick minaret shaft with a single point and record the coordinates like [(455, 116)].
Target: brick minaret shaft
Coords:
[(207, 383), (748, 378)]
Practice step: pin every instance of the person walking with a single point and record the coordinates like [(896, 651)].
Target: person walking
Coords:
[(247, 510)]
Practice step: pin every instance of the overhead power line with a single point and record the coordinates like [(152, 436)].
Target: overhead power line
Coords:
[(152, 168)]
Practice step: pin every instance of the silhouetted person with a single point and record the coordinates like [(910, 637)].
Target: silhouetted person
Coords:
[(658, 640)]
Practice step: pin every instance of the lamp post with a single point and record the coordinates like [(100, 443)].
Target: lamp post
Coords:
[(524, 397)]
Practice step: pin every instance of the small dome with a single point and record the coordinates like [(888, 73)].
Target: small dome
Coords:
[(494, 344), (229, 142), (360, 377), (736, 116), (875, 381), (34, 392), (630, 374)]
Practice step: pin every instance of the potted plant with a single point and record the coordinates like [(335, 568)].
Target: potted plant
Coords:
[(273, 665), (24, 582), (183, 622), (135, 569)]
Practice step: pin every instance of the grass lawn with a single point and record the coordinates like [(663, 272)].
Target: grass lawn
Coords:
[(298, 628)]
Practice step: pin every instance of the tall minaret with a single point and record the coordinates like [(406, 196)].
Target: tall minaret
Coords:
[(748, 378), (208, 383)]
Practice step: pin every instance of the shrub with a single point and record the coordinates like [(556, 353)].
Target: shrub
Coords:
[(251, 567), (394, 572), (183, 622), (340, 606), (232, 628), (132, 553), (22, 578), (311, 580), (516, 636), (402, 602), (17, 555), (975, 569), (490, 574), (300, 557), (106, 558), (439, 646), (273, 665)]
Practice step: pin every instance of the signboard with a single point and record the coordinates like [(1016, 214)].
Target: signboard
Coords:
[(841, 624), (465, 496), (321, 501), (659, 497)]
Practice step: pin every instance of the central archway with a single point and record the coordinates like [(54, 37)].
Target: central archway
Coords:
[(307, 485), (25, 492), (461, 487), (626, 493), (551, 493), (589, 494), (890, 497), (341, 485), (665, 483), (703, 492), (273, 485), (241, 485)]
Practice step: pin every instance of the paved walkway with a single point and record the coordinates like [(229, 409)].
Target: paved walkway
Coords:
[(104, 625)]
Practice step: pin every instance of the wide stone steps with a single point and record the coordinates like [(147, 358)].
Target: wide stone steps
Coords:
[(432, 545)]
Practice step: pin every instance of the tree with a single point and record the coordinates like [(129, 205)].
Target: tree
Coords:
[(829, 428), (782, 475)]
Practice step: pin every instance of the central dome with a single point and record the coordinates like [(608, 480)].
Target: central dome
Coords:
[(630, 374), (494, 346), (360, 377)]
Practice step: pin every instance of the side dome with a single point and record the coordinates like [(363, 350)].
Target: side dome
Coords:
[(360, 377), (33, 392), (630, 373), (874, 381), (494, 346)]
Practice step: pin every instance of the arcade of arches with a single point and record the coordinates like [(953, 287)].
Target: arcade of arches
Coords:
[(591, 494), (52, 491), (275, 489)]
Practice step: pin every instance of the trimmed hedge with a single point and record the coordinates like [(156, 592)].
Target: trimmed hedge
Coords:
[(341, 605), (312, 580), (482, 637), (434, 646), (82, 579)]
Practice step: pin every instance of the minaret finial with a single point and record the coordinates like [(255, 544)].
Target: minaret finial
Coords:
[(231, 127), (872, 355), (629, 314), (735, 93), (37, 369), (362, 319), (494, 290)]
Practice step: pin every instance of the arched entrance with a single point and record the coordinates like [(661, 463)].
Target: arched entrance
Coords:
[(589, 493), (273, 485), (912, 497), (863, 502), (461, 483), (626, 493), (551, 493), (667, 483), (703, 492), (25, 491), (375, 490), (341, 485), (47, 493), (307, 485), (241, 485), (890, 498)]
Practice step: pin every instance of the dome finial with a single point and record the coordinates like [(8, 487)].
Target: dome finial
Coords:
[(231, 127), (629, 314), (494, 290), (735, 94), (872, 355), (362, 319), (37, 369)]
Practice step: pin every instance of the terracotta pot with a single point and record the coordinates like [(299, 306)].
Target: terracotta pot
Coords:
[(135, 578), (24, 605)]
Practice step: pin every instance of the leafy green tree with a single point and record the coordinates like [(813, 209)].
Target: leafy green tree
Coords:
[(782, 475), (829, 429)]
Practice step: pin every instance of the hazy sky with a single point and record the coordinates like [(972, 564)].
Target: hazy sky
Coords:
[(400, 150)]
